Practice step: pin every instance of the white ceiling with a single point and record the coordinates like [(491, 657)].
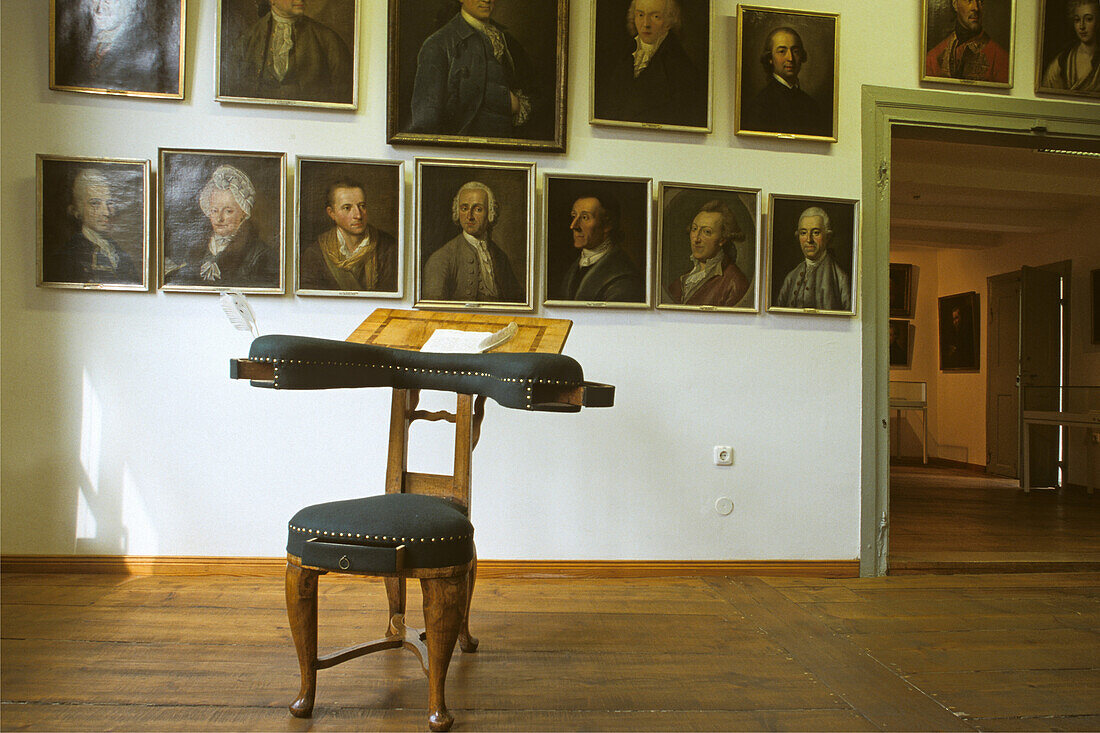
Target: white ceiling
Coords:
[(966, 190)]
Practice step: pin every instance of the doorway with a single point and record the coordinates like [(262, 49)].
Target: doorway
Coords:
[(1019, 127)]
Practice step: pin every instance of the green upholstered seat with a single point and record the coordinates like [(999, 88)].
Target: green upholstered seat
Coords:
[(360, 535)]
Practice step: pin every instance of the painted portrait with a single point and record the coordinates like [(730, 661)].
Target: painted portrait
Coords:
[(708, 247), (901, 290), (651, 63), (959, 333), (812, 255), (598, 243), (478, 73), (222, 219), (788, 69), (900, 343), (126, 47), (1068, 63), (93, 223), (968, 41), (474, 234), (288, 52), (349, 236)]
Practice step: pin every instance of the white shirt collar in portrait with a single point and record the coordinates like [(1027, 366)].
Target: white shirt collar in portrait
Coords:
[(701, 272), (496, 38), (103, 247), (282, 41), (488, 279), (592, 255), (784, 82), (347, 250), (644, 52)]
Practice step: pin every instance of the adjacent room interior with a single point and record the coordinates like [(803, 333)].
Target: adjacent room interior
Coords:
[(964, 220)]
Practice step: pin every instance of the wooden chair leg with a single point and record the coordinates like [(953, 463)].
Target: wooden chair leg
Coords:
[(466, 642), (301, 609), (395, 593), (445, 602)]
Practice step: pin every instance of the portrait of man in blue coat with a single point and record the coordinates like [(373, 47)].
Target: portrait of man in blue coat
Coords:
[(479, 72)]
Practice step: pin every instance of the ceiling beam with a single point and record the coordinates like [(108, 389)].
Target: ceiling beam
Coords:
[(942, 238)]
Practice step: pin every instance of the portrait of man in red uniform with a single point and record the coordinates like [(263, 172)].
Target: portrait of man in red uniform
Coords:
[(967, 52)]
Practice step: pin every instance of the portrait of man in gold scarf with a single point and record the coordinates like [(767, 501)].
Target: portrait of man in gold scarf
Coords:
[(349, 238)]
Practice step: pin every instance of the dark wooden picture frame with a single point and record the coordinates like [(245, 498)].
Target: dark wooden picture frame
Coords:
[(597, 246), (132, 49), (673, 90), (1064, 26), (960, 332), (501, 201), (708, 248), (101, 241), (322, 61), (901, 290), (901, 343), (349, 227), (432, 98), (799, 100), (981, 55), (222, 221), (793, 285)]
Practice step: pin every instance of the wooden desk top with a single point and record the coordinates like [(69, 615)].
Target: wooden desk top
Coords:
[(409, 329)]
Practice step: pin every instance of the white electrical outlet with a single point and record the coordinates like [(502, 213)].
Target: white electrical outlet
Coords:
[(723, 455), (724, 505)]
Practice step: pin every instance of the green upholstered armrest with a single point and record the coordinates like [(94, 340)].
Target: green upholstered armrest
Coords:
[(524, 381)]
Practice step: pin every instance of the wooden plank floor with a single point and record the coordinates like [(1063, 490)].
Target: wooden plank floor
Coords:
[(944, 652), (951, 520)]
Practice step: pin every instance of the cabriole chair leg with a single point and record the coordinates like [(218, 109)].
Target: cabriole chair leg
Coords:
[(445, 602), (301, 609)]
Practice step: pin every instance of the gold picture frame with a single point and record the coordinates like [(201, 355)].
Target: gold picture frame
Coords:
[(449, 270), (322, 224), (222, 221), (821, 275), (674, 90), (101, 242), (800, 101), (983, 57), (447, 109), (328, 36), (708, 248), (578, 270), (1058, 40), (136, 50)]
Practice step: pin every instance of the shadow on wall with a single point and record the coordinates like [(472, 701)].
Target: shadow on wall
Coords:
[(111, 517)]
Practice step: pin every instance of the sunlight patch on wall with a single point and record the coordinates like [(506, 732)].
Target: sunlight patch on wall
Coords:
[(85, 518), (91, 433), (138, 526)]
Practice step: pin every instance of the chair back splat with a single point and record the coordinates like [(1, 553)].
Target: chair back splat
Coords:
[(420, 527)]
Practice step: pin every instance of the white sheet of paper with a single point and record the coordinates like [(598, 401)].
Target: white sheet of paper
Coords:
[(450, 341)]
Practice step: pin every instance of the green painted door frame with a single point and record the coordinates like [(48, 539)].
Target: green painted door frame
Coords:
[(882, 109)]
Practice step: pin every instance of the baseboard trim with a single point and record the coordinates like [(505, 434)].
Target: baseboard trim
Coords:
[(146, 565)]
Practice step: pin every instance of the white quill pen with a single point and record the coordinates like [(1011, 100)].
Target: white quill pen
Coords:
[(239, 312)]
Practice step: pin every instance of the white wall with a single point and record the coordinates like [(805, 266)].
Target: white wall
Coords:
[(123, 434)]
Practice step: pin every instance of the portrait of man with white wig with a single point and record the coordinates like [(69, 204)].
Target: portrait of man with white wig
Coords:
[(221, 245), (94, 222)]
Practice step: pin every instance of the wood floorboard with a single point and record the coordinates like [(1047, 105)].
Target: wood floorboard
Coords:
[(954, 520), (962, 652)]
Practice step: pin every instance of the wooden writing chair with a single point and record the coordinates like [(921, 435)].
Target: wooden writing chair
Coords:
[(420, 527)]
